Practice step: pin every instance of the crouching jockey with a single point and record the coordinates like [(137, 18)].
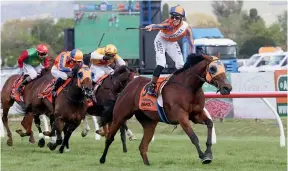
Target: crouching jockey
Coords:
[(30, 63), (100, 61), (65, 62)]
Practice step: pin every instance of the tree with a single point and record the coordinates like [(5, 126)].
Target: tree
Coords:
[(165, 11), (223, 9), (282, 20), (251, 46), (202, 20)]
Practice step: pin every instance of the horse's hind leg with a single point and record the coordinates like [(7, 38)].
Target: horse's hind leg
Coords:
[(6, 104), (183, 119), (149, 129), (123, 137)]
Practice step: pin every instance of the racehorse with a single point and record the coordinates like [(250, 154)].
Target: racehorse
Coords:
[(29, 96), (70, 107), (182, 100), (106, 94)]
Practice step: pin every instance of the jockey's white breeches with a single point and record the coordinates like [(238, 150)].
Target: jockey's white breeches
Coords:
[(100, 71), (172, 48), (58, 74), (32, 71)]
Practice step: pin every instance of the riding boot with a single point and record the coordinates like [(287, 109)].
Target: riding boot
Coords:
[(57, 84), (24, 83), (152, 85)]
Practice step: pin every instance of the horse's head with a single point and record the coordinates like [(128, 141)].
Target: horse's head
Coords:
[(216, 76), (122, 76), (84, 80)]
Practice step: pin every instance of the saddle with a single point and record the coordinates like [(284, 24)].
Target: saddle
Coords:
[(14, 95), (47, 93), (147, 102), (151, 103)]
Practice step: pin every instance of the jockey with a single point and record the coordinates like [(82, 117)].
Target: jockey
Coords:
[(101, 59), (63, 66), (30, 63), (171, 30)]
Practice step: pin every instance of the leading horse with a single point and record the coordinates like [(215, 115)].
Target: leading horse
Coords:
[(183, 100)]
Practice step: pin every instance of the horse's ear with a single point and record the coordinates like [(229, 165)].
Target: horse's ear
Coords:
[(207, 57)]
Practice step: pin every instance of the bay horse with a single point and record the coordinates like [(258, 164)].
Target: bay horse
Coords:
[(70, 107), (183, 100), (29, 97), (106, 95)]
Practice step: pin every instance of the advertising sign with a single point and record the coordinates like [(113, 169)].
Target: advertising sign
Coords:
[(281, 78)]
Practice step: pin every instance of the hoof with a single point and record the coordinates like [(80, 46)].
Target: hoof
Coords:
[(9, 142), (84, 133), (47, 133), (102, 160), (58, 142), (20, 132), (51, 146), (124, 150), (206, 160), (41, 143), (32, 140), (61, 149)]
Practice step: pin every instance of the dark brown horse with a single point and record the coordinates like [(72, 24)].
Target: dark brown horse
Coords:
[(106, 95), (183, 100), (29, 97), (70, 107)]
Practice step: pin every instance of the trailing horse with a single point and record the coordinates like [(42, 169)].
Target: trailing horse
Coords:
[(30, 101), (70, 107), (180, 99), (109, 88)]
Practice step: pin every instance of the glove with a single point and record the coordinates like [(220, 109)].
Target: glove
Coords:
[(106, 58)]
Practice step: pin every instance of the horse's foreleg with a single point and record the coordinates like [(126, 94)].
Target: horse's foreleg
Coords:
[(65, 130), (209, 123), (123, 138), (86, 127), (27, 124), (185, 124), (149, 129), (67, 135), (58, 126), (110, 138)]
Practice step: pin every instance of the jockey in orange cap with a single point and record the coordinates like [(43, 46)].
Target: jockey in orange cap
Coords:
[(171, 30), (30, 63), (63, 66)]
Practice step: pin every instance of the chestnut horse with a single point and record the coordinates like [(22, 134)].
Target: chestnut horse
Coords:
[(70, 107), (183, 100), (29, 97)]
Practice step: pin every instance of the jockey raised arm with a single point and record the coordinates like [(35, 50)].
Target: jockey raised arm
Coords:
[(171, 30), (31, 62)]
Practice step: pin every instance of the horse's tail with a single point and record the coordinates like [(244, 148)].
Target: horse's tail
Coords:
[(107, 114)]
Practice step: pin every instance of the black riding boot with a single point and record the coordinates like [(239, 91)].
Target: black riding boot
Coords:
[(25, 82), (152, 85), (57, 84)]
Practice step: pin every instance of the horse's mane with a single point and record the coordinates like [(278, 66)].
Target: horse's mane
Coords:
[(191, 60), (123, 69)]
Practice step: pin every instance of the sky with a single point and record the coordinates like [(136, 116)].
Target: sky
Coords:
[(268, 10)]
